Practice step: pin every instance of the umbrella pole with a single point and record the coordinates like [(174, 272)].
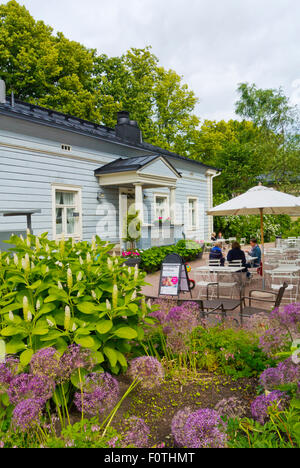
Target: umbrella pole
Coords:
[(262, 244)]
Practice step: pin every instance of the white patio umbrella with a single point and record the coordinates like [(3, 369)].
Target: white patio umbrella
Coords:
[(259, 200)]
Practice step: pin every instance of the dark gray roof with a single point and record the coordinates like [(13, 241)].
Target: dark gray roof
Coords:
[(41, 115), (130, 164)]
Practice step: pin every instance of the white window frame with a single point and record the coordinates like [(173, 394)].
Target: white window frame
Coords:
[(189, 220), (77, 190), (167, 197)]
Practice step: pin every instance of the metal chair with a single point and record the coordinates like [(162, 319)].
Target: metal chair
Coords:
[(248, 311)]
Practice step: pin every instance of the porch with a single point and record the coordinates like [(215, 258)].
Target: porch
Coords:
[(136, 178)]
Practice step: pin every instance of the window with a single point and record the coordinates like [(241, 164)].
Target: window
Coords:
[(66, 148), (162, 207), (66, 212), (193, 214)]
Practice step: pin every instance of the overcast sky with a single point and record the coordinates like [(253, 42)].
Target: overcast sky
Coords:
[(213, 44)]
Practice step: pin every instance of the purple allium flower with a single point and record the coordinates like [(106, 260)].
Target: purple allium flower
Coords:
[(27, 414), (288, 316), (28, 386), (8, 370), (201, 429), (287, 372), (231, 407), (148, 370), (99, 393), (165, 305), (75, 357), (178, 426), (262, 403), (46, 362), (136, 434), (274, 340), (270, 379)]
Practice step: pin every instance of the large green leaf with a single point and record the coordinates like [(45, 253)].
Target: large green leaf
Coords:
[(88, 308), (121, 359), (52, 335), (126, 333), (11, 331), (26, 356), (85, 341), (112, 355), (104, 326)]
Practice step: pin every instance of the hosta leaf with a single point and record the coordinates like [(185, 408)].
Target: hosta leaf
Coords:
[(88, 308), (121, 359), (76, 377), (52, 335), (15, 346), (104, 326), (11, 331), (40, 331), (126, 333), (112, 356), (85, 341), (11, 307), (26, 356)]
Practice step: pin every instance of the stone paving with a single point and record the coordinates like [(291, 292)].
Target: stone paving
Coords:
[(256, 283)]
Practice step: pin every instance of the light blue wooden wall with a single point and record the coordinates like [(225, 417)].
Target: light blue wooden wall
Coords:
[(27, 172)]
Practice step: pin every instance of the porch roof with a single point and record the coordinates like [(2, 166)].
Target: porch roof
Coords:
[(152, 170)]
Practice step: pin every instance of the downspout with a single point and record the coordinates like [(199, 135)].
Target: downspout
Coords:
[(211, 194)]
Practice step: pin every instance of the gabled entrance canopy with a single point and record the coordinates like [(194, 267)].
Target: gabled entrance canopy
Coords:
[(149, 171)]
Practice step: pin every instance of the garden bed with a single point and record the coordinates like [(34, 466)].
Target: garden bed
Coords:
[(158, 406)]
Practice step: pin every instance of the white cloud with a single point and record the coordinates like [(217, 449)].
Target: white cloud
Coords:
[(213, 44)]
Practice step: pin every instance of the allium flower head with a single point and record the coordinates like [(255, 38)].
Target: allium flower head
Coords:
[(27, 414), (287, 372), (28, 386), (148, 370), (46, 362), (178, 425), (8, 370), (262, 403), (75, 357), (201, 429), (99, 392), (136, 433)]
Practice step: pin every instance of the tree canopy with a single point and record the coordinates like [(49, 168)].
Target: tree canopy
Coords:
[(50, 70)]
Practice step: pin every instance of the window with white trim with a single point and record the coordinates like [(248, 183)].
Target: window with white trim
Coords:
[(162, 207), (67, 212), (193, 214)]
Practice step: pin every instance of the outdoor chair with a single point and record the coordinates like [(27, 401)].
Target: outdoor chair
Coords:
[(277, 279), (206, 281), (248, 311)]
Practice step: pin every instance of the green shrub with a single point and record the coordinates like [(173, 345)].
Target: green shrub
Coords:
[(152, 258), (282, 431), (233, 352), (59, 293)]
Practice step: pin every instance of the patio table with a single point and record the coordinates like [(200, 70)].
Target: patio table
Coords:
[(287, 269)]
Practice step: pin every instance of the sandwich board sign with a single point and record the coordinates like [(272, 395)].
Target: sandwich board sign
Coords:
[(174, 277)]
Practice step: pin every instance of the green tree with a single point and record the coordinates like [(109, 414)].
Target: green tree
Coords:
[(45, 69), (270, 111)]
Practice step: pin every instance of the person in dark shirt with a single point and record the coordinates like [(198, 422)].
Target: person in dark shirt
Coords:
[(214, 237), (236, 253), (217, 254)]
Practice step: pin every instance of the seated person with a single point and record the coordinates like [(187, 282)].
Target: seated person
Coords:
[(236, 253), (220, 235), (254, 252), (217, 254), (214, 237)]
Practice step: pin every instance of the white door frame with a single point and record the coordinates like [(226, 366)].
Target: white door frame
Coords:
[(123, 209)]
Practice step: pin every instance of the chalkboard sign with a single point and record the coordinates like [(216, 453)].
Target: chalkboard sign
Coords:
[(174, 277)]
